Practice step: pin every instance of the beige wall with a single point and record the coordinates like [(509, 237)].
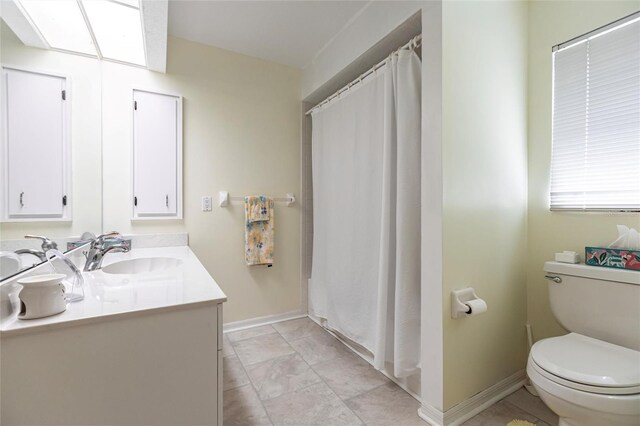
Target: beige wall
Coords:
[(551, 23), (241, 134), (84, 79), (484, 190)]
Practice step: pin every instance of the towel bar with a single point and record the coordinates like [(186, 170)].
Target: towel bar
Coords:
[(224, 199)]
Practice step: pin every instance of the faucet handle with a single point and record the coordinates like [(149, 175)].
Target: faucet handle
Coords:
[(47, 244), (99, 240), (107, 235)]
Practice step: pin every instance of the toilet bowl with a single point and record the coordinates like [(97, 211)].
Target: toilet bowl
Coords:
[(587, 382), (591, 376)]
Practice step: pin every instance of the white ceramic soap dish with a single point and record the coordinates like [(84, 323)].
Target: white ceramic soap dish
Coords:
[(42, 296)]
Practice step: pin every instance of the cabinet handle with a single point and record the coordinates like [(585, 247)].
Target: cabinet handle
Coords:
[(166, 200), (21, 199)]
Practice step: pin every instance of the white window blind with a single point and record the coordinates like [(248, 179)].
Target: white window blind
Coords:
[(596, 121)]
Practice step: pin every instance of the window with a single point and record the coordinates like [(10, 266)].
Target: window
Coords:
[(107, 29), (596, 120)]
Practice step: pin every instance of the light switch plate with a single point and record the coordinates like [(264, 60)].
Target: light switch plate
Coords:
[(206, 203)]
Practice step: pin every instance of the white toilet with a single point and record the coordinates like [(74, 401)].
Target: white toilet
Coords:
[(591, 376)]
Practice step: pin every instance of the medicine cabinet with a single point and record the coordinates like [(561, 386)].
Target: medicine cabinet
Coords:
[(36, 152), (157, 155)]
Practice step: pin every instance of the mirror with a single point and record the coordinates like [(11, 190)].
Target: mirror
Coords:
[(51, 162)]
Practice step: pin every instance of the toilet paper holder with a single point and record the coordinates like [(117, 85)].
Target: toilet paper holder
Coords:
[(466, 302)]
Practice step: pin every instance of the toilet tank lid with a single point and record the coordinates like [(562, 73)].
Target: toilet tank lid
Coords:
[(595, 272), (590, 361)]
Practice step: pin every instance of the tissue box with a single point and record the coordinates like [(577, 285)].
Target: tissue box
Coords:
[(612, 258)]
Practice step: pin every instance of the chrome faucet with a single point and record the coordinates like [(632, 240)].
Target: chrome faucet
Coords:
[(47, 244), (37, 253), (97, 250)]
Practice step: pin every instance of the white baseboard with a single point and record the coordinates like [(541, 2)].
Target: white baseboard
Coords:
[(255, 322), (462, 412), (431, 415)]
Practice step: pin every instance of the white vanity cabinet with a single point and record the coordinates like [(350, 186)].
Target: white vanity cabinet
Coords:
[(157, 155), (152, 369), (140, 349), (35, 147)]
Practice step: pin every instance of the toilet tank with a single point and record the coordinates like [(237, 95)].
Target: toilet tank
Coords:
[(602, 303)]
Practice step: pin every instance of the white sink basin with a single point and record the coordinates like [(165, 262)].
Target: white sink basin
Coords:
[(142, 265)]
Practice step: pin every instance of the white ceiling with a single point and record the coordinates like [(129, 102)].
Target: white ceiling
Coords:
[(288, 32)]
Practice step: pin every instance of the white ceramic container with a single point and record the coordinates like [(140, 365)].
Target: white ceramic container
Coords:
[(41, 296)]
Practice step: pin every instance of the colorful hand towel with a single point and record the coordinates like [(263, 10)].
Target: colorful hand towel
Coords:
[(259, 227), (259, 210)]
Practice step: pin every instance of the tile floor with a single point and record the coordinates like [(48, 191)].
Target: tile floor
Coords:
[(295, 373)]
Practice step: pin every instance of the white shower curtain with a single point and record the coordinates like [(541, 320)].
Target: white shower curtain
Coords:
[(365, 279)]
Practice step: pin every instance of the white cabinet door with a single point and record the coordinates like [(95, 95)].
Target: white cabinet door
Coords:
[(35, 146), (157, 155)]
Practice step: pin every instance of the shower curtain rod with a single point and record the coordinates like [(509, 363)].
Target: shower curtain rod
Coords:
[(411, 44)]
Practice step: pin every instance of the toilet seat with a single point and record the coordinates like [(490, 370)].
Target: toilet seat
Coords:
[(589, 365), (601, 390), (567, 402)]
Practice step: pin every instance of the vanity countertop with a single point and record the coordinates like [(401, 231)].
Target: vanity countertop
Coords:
[(113, 295)]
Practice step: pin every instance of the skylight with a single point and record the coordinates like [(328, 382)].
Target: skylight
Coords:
[(108, 29), (61, 24), (118, 30)]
